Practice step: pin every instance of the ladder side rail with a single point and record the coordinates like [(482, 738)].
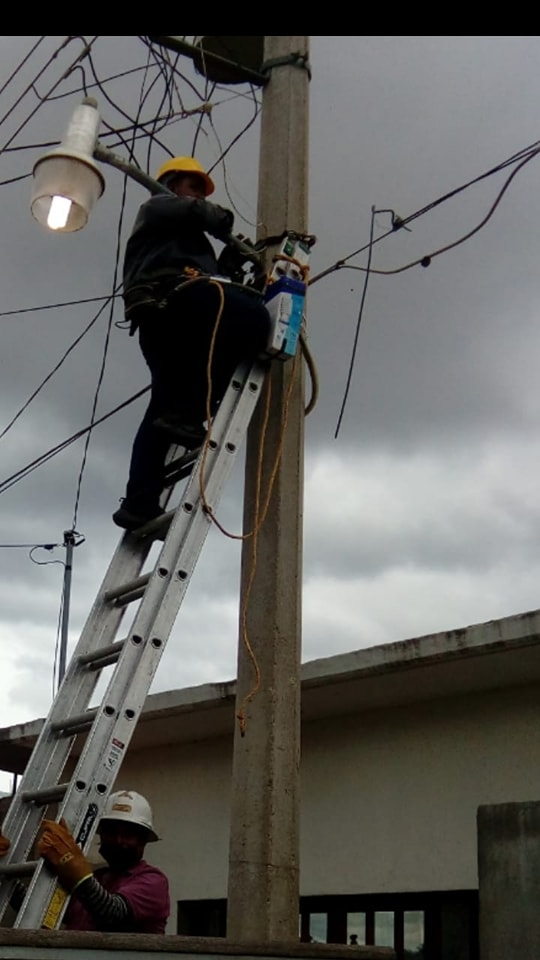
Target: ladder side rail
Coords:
[(50, 759), (110, 735), (78, 807), (79, 682), (125, 696), (29, 815), (51, 751)]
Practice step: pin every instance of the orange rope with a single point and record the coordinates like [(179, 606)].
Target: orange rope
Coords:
[(258, 522), (259, 516), (208, 437)]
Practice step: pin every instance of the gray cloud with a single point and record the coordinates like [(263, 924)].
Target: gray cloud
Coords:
[(423, 515)]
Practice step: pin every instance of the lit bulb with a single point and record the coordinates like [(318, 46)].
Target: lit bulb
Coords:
[(58, 212)]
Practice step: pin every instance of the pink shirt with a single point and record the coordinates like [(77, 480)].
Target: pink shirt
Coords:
[(145, 888)]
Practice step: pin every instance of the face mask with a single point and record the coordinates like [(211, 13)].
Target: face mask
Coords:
[(119, 858)]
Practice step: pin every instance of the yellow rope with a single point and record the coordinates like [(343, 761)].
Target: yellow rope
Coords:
[(258, 522), (259, 516)]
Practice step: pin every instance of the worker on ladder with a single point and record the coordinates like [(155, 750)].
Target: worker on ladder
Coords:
[(180, 299), (128, 895)]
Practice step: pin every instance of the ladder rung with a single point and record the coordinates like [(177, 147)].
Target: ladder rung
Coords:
[(103, 656), (186, 462), (156, 528), (18, 869), (129, 591), (174, 477), (181, 468), (75, 724), (45, 795)]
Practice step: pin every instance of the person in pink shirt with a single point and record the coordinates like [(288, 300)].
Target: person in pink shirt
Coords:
[(128, 895)]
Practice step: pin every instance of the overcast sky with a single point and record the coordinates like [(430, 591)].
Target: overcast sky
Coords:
[(423, 515)]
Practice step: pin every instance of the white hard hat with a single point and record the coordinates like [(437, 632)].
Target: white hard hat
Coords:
[(131, 807)]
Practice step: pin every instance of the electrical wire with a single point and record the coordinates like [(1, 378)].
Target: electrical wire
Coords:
[(138, 130), (139, 127), (108, 300), (142, 98), (235, 139), (25, 546), (22, 176), (166, 75), (134, 124), (54, 306), (90, 86), (201, 119), (170, 70), (20, 65), (42, 145), (109, 100), (171, 76), (56, 661), (426, 260), (526, 153), (53, 451), (45, 546), (165, 96), (313, 374), (176, 71), (56, 367), (103, 360), (30, 86), (357, 331), (222, 161), (44, 98)]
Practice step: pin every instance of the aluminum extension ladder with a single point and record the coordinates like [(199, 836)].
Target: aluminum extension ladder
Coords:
[(135, 658)]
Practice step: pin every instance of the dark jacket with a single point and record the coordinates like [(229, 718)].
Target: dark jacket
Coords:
[(170, 234)]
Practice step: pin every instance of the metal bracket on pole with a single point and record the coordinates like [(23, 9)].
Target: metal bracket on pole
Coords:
[(107, 156), (299, 60)]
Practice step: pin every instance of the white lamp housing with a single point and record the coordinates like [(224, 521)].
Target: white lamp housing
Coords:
[(67, 181)]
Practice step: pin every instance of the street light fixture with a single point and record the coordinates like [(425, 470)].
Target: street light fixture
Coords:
[(67, 181)]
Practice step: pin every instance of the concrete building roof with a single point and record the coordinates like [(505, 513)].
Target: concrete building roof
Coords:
[(486, 656)]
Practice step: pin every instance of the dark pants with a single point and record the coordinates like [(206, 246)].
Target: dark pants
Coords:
[(175, 342)]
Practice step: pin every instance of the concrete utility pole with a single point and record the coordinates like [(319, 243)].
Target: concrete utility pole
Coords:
[(263, 857)]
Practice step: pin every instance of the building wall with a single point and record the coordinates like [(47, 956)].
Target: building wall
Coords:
[(389, 797)]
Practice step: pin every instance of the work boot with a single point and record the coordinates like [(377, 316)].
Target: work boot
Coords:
[(131, 519), (188, 435)]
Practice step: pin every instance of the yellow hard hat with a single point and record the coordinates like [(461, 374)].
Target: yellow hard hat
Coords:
[(187, 165)]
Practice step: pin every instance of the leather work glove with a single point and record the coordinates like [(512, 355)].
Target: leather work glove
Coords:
[(4, 845), (63, 854)]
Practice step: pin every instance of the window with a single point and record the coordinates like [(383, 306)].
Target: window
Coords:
[(356, 929), (413, 934), (318, 927), (201, 918), (419, 926), (384, 928)]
